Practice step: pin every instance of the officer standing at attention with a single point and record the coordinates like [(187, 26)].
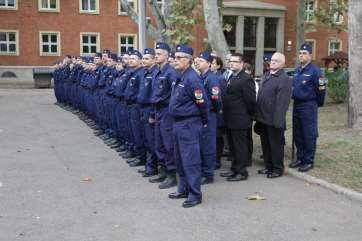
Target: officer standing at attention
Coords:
[(308, 93), (208, 143), (163, 121), (188, 107), (144, 100)]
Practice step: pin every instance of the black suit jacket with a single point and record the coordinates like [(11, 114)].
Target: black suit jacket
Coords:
[(273, 99), (239, 101)]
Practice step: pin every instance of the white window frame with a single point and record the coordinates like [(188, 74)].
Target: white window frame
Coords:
[(96, 11), (125, 13), (6, 7), (337, 18), (330, 41), (314, 47), (16, 53), (309, 14), (135, 40), (98, 43), (41, 9), (57, 33)]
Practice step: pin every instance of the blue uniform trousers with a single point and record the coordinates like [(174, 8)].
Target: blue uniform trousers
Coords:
[(121, 120), (187, 137), (163, 139), (208, 146), (151, 164), (305, 129), (137, 131)]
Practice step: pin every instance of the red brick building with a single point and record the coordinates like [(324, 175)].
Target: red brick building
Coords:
[(38, 32)]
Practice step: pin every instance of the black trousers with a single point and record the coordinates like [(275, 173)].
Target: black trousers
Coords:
[(239, 142), (272, 143)]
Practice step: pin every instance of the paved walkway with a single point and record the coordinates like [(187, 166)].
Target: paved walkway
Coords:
[(45, 152)]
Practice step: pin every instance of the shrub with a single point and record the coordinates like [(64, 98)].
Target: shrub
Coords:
[(337, 85)]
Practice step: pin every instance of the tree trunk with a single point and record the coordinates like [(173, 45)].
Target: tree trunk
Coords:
[(215, 33), (300, 29), (355, 63)]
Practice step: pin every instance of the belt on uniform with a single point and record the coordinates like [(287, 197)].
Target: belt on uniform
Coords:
[(303, 101), (160, 106), (182, 118)]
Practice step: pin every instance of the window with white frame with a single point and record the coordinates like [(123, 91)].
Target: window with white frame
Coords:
[(337, 17), (9, 42), (89, 43), (132, 3), (8, 4), (49, 43), (312, 42), (127, 42), (48, 5), (89, 6), (309, 10), (334, 45)]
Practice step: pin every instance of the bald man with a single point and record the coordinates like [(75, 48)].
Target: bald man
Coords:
[(272, 105)]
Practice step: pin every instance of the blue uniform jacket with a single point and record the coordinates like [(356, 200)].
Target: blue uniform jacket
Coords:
[(110, 76), (145, 90), (117, 82), (101, 71), (308, 84), (188, 97), (212, 88), (162, 85), (132, 88)]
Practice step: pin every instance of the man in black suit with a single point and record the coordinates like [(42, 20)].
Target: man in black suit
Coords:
[(239, 105), (272, 105)]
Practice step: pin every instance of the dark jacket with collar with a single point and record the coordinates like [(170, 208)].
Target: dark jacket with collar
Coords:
[(273, 99), (239, 101)]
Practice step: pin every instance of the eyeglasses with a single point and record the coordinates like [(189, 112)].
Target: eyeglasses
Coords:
[(180, 57), (234, 61)]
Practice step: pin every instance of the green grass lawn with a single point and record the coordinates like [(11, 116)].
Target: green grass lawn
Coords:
[(339, 149)]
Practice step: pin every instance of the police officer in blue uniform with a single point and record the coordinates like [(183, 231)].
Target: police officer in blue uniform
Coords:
[(147, 110), (208, 141), (189, 108), (308, 94), (163, 121), (131, 93)]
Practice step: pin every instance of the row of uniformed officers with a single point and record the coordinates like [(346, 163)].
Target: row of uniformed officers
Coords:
[(162, 111)]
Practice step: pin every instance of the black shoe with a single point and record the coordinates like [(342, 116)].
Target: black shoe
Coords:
[(217, 166), (128, 155), (137, 163), (141, 171), (177, 195), (98, 133), (295, 164), (159, 178), (274, 174), (207, 180), (190, 204), (227, 174), (264, 171), (237, 177), (149, 174), (129, 161), (305, 167), (122, 148), (169, 182)]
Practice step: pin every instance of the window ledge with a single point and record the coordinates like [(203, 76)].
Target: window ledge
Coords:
[(49, 10), (9, 54), (50, 55), (8, 8), (89, 12)]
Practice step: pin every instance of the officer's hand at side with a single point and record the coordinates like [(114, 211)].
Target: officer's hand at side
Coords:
[(151, 120), (205, 125)]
